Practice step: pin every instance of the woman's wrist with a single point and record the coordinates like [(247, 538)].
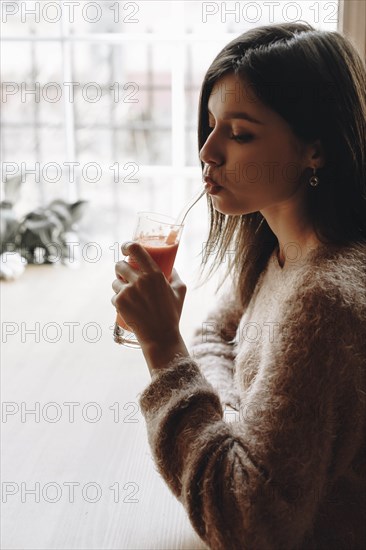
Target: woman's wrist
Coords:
[(159, 354)]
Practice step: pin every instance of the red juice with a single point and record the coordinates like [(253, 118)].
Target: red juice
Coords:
[(162, 253)]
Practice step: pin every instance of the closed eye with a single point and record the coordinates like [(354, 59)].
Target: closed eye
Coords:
[(241, 138)]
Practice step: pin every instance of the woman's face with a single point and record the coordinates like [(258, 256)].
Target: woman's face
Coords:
[(258, 162)]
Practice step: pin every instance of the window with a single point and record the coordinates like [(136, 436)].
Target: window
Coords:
[(100, 98)]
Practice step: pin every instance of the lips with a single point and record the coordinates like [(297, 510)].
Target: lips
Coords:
[(211, 183), (211, 187)]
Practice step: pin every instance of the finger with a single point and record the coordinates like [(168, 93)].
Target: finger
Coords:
[(117, 285), (114, 301), (125, 272), (125, 247), (175, 280), (140, 255), (177, 284)]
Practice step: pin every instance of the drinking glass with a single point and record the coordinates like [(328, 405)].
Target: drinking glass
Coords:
[(160, 236)]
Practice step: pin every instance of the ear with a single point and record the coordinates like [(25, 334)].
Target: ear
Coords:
[(317, 154), (78, 209)]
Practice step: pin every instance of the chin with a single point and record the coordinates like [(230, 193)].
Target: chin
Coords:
[(232, 211)]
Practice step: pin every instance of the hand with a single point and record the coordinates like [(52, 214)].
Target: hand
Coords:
[(146, 300)]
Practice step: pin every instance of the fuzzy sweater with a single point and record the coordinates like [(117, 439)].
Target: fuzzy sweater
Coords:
[(285, 469)]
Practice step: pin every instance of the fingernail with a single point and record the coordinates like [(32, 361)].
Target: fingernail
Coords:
[(125, 247)]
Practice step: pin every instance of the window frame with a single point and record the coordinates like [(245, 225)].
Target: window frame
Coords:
[(350, 22)]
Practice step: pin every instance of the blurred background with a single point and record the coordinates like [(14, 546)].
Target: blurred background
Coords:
[(99, 121), (116, 84)]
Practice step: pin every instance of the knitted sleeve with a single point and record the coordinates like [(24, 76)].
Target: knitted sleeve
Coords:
[(212, 347), (258, 483)]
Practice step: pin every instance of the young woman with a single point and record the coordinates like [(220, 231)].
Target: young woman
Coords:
[(282, 134)]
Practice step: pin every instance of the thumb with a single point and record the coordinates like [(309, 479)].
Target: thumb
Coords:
[(177, 284)]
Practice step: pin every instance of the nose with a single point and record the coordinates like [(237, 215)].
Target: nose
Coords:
[(210, 152)]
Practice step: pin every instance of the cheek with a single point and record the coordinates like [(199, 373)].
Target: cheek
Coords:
[(274, 162), (281, 166), (288, 158), (254, 161)]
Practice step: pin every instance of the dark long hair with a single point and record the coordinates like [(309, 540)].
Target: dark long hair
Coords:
[(316, 81)]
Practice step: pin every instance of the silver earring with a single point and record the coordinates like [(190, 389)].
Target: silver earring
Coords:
[(314, 180)]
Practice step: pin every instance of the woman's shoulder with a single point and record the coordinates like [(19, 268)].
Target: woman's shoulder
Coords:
[(351, 255), (326, 303), (336, 274)]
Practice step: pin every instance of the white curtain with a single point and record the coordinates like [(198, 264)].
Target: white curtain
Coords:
[(352, 23)]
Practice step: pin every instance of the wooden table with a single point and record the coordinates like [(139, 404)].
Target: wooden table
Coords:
[(77, 472)]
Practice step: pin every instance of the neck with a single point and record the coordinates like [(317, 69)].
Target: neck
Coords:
[(292, 250), (294, 232)]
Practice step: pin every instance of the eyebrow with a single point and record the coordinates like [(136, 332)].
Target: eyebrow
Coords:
[(240, 115)]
